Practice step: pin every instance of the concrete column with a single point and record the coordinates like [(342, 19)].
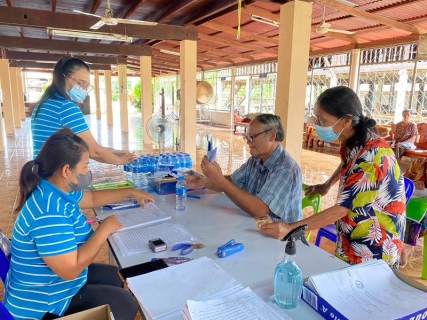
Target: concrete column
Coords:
[(248, 94), (97, 96), (7, 97), (354, 69), (401, 94), (21, 94), (15, 97), (232, 93), (124, 117), (108, 97), (187, 119), (294, 47), (146, 97), (378, 97)]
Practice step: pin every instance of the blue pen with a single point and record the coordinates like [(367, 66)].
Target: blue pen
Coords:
[(174, 260), (194, 197), (123, 207)]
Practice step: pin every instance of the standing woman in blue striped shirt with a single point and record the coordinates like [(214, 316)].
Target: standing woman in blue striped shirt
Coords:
[(51, 271), (58, 108)]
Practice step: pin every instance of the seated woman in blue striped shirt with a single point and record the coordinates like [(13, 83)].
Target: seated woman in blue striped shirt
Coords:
[(51, 272), (58, 108)]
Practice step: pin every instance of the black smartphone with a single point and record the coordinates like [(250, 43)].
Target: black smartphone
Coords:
[(142, 269)]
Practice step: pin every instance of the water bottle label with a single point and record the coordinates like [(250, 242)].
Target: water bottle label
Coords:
[(181, 192)]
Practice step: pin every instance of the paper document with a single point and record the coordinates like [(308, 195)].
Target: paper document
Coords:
[(166, 291), (241, 305), (135, 217), (368, 291), (136, 240)]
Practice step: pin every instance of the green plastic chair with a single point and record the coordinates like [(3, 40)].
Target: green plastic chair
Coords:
[(415, 210), (315, 202)]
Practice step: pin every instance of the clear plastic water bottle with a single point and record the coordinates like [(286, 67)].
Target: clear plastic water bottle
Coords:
[(188, 162), (145, 172), (137, 171), (181, 194)]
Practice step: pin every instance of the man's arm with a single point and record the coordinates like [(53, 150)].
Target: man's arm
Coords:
[(244, 200)]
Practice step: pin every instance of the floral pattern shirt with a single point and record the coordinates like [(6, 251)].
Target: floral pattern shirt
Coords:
[(372, 187)]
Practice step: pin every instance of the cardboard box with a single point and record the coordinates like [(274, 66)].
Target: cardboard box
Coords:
[(327, 311), (98, 313), (167, 185)]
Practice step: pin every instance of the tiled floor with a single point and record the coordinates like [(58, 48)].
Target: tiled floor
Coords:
[(232, 152)]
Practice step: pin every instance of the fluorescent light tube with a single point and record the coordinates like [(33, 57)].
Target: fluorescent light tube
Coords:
[(89, 35)]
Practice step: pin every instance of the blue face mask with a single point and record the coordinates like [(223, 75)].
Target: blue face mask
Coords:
[(77, 94), (327, 134)]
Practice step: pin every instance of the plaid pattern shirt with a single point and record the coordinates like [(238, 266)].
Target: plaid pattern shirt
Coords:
[(277, 182)]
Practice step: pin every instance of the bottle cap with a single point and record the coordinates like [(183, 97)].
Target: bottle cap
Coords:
[(181, 178)]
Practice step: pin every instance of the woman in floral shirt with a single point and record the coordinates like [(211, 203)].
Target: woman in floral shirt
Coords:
[(370, 211)]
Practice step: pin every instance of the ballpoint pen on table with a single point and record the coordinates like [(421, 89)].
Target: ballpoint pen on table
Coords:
[(120, 207), (192, 196), (174, 260)]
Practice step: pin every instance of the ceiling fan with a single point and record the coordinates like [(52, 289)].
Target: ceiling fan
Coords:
[(109, 19), (326, 27)]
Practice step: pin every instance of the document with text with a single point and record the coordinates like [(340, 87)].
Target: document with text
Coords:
[(136, 240)]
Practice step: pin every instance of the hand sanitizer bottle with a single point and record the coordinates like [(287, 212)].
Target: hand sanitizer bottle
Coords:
[(288, 278)]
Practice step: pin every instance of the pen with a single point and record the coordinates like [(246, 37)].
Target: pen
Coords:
[(174, 260), (191, 196), (122, 207)]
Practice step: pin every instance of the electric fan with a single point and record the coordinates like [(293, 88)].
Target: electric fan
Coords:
[(159, 129)]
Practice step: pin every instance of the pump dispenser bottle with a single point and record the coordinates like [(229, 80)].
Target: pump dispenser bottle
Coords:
[(288, 278)]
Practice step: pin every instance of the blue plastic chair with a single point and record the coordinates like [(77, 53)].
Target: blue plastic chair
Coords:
[(315, 202), (330, 231), (4, 313), (4, 256)]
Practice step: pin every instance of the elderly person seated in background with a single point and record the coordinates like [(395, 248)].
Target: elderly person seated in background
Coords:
[(404, 135)]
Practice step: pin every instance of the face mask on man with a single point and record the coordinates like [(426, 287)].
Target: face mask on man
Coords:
[(83, 181), (327, 134), (77, 94)]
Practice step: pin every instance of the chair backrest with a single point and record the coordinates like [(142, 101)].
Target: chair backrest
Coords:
[(4, 313), (4, 256), (409, 188)]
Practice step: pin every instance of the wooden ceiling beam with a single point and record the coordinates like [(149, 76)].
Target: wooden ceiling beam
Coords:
[(226, 52), (95, 6), (37, 56), (248, 46), (31, 18), (203, 55), (262, 13), (243, 34), (359, 13), (53, 5), (73, 46), (174, 6), (344, 37), (37, 65), (208, 11), (131, 8)]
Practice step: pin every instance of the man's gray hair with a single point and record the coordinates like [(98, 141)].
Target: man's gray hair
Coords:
[(273, 122)]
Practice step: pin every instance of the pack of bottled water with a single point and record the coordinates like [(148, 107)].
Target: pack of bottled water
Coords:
[(148, 166)]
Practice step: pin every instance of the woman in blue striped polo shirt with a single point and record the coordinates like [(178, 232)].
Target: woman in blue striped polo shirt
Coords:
[(51, 272), (58, 108)]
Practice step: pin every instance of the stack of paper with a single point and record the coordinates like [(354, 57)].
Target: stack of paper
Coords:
[(163, 293), (136, 240), (241, 305), (135, 217), (368, 290)]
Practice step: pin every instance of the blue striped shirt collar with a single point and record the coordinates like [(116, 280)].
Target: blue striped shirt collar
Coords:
[(46, 185), (272, 160)]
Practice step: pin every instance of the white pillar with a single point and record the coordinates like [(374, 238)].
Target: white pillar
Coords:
[(21, 94), (401, 88), (97, 95), (187, 119), (294, 47), (15, 96)]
